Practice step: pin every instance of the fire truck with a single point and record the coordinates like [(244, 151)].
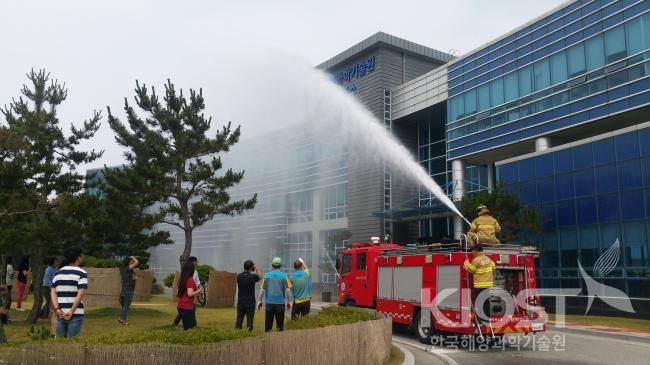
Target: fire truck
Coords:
[(426, 288)]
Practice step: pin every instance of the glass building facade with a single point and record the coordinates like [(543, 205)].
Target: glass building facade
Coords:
[(583, 62), (590, 194)]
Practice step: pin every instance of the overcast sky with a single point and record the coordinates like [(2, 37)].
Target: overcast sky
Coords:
[(238, 51)]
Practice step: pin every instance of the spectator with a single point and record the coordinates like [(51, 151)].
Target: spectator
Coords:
[(10, 282), (50, 271), (68, 288), (300, 289), (187, 290), (276, 289), (128, 275), (195, 262), (246, 295), (23, 273)]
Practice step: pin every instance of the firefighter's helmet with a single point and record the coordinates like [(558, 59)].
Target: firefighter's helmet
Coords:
[(481, 209)]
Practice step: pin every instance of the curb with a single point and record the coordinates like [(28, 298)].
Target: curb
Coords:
[(602, 334), (442, 357), (409, 359)]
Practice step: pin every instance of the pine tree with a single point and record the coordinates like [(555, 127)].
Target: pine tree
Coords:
[(172, 160), (45, 160)]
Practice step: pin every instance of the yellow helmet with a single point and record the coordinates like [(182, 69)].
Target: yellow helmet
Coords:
[(481, 209)]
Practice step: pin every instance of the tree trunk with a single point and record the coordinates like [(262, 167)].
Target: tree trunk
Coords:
[(187, 226), (187, 251), (3, 269), (38, 268)]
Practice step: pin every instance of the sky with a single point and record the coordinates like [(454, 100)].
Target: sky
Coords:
[(239, 52)]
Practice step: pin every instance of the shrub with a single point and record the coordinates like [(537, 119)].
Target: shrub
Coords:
[(168, 334), (204, 272), (332, 316), (169, 280), (91, 261), (157, 289)]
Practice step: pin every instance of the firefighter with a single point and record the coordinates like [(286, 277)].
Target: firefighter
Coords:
[(482, 268), (484, 228), (275, 291)]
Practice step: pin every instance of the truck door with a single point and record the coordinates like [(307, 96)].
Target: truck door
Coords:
[(363, 293), (345, 279)]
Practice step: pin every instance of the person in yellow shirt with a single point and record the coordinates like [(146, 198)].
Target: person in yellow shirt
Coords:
[(484, 228), (482, 269)]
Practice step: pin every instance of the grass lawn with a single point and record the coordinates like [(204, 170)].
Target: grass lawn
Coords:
[(152, 322), (631, 323), (156, 314)]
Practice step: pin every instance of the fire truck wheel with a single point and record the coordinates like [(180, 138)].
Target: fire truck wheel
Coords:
[(421, 328), (349, 303)]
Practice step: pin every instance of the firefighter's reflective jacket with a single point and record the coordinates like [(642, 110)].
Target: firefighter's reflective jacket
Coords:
[(483, 269), (485, 227)]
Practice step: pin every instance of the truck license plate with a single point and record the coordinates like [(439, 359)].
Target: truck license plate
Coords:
[(538, 326)]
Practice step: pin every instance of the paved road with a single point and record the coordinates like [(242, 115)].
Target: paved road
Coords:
[(577, 349)]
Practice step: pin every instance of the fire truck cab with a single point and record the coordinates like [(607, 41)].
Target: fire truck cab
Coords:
[(426, 287)]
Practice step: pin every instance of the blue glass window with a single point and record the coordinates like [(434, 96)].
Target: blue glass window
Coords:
[(645, 167), (634, 35), (566, 215), (644, 137), (542, 74), (627, 146), (608, 234), (636, 253), (526, 169), (549, 246), (424, 134), (544, 165), (528, 192), (576, 60), (563, 161), (595, 49), (646, 30), (586, 208), (511, 86), (604, 151), (470, 101), (483, 97), (558, 67), (457, 107), (548, 216), (606, 181), (545, 190), (615, 44), (496, 90), (564, 186), (629, 175), (608, 210), (508, 172), (583, 156), (589, 244), (632, 205), (525, 81)]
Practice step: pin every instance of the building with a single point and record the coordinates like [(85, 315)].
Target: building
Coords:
[(557, 110)]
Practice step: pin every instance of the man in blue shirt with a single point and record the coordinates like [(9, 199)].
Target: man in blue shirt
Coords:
[(50, 271), (275, 291), (300, 289)]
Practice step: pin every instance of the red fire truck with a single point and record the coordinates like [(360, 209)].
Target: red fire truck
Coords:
[(426, 287)]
